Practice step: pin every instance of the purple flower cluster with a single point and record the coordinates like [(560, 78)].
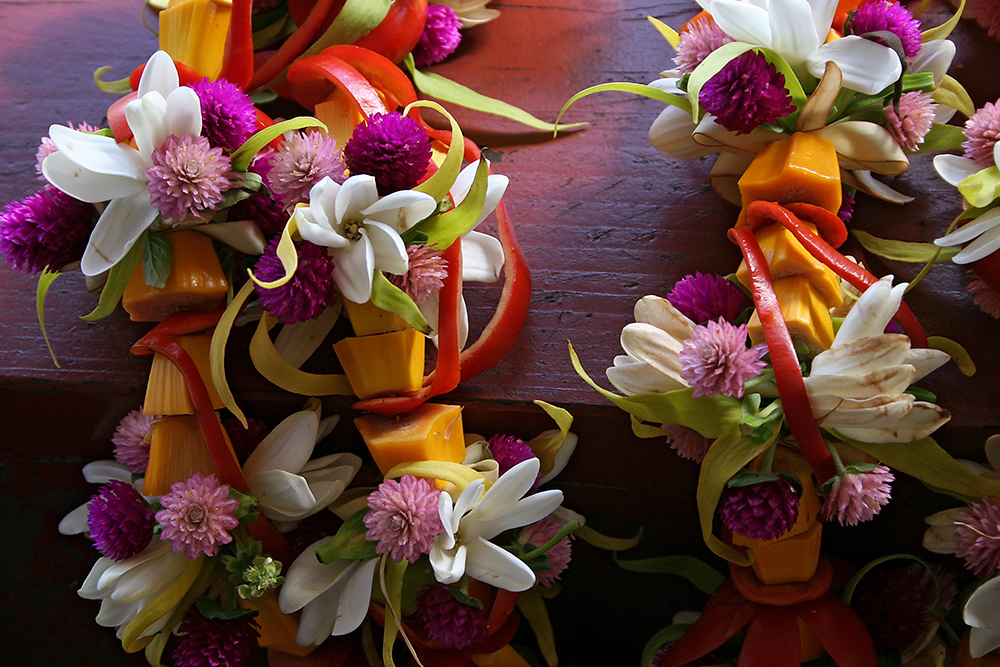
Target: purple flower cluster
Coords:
[(876, 15), (763, 511), (228, 117), (508, 451), (702, 297), (309, 291), (119, 520), (449, 621), (392, 148), (215, 642), (441, 36), (746, 93), (48, 229)]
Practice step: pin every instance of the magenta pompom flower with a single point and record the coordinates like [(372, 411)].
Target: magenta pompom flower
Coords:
[(762, 511), (538, 534), (846, 211), (981, 131), (392, 148), (119, 520), (746, 93), (508, 451), (131, 441), (699, 40), (687, 442), (197, 515), (302, 161), (215, 642), (876, 15), (854, 497), (977, 537), (403, 517), (228, 117), (705, 296), (307, 294), (896, 603), (446, 620), (916, 115), (441, 36), (188, 177), (715, 359), (424, 275), (48, 229)]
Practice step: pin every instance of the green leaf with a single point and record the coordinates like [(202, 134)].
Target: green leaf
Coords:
[(668, 33), (45, 281), (941, 139), (157, 260), (981, 188), (848, 591), (652, 93), (392, 586), (702, 575), (452, 92), (942, 31), (663, 637), (903, 251), (211, 609), (349, 543), (951, 93), (387, 296), (117, 281), (443, 229), (355, 18), (957, 353), (546, 447), (750, 477), (117, 87), (243, 155), (438, 185)]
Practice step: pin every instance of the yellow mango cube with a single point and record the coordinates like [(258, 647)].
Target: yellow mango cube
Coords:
[(384, 364), (177, 450), (432, 432), (368, 319), (194, 32), (807, 317), (166, 389), (801, 168)]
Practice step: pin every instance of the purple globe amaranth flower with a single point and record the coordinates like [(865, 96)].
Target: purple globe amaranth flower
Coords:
[(981, 131), (302, 161), (538, 534), (449, 621), (687, 442), (441, 36), (215, 642), (392, 148), (914, 121), (984, 296), (746, 93), (896, 603), (48, 229), (977, 537), (403, 517), (188, 176), (262, 209), (197, 516), (698, 40), (987, 14), (707, 296), (846, 211), (508, 451), (131, 441), (47, 147), (228, 117), (875, 15), (119, 520), (715, 359), (762, 511), (854, 497), (424, 275), (309, 291)]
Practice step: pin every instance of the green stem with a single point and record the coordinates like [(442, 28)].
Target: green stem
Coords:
[(566, 530)]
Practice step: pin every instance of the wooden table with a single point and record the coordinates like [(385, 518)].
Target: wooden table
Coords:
[(604, 219)]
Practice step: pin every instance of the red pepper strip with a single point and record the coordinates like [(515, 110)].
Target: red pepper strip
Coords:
[(839, 630), (399, 31), (237, 65), (724, 615), (787, 373), (182, 323), (781, 595), (312, 80), (448, 372), (828, 225), (772, 640), (380, 72), (274, 543), (857, 276), (296, 43), (116, 117)]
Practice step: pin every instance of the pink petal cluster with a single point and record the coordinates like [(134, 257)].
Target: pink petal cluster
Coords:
[(131, 441), (540, 533), (403, 517), (197, 515), (977, 536), (715, 359), (916, 115), (984, 296), (982, 130), (687, 442), (188, 176), (302, 161), (699, 39), (425, 274), (855, 497)]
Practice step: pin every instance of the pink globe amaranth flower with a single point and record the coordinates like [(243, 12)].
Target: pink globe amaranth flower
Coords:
[(310, 291), (302, 161), (699, 40), (707, 296), (715, 359), (441, 36), (197, 515), (763, 511), (855, 497), (449, 621), (987, 14), (47, 147), (424, 275), (508, 451), (538, 534), (119, 520), (215, 642), (914, 121), (984, 296), (875, 15), (982, 130), (392, 148), (131, 440), (46, 230), (687, 442), (746, 93), (403, 517), (228, 117), (188, 177), (977, 536)]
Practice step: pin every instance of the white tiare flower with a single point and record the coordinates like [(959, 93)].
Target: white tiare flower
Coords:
[(652, 344), (287, 484), (940, 536), (982, 233), (96, 168), (477, 516), (857, 386), (361, 229), (981, 616), (470, 12)]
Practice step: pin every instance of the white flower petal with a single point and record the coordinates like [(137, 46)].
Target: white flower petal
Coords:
[(98, 154), (282, 495), (981, 608), (183, 112), (482, 258), (654, 346), (287, 447), (671, 134), (353, 606), (160, 75), (993, 451), (317, 618), (794, 31), (508, 490), (353, 270), (147, 117), (972, 229), (862, 355), (356, 194), (663, 315), (121, 224), (75, 522), (90, 589), (632, 376), (496, 186), (887, 380), (448, 564), (935, 57), (401, 209), (983, 640), (985, 245), (313, 227), (105, 470), (954, 168), (498, 567), (562, 457), (926, 360), (872, 312), (743, 21), (388, 248), (525, 511), (872, 417), (307, 578), (922, 420), (867, 67)]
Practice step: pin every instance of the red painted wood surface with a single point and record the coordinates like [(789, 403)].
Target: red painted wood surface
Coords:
[(604, 220)]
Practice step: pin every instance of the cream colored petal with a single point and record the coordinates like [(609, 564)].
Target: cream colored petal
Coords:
[(448, 564), (307, 578), (726, 173), (242, 235), (525, 511), (663, 315), (710, 134), (888, 380), (119, 227), (863, 180), (631, 377), (401, 210), (868, 67), (353, 605), (971, 230), (874, 417), (482, 258), (864, 145), (160, 75), (872, 312), (862, 355), (922, 420), (654, 346), (985, 245), (497, 567), (794, 31), (388, 248), (926, 360), (354, 268), (954, 168), (183, 112), (288, 446), (936, 57), (671, 134)]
